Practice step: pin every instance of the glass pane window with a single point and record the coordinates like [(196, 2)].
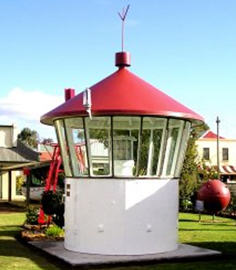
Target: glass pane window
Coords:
[(77, 146), (60, 131), (225, 154), (151, 139), (98, 131), (206, 153), (175, 131), (123, 146), (183, 147), (126, 133)]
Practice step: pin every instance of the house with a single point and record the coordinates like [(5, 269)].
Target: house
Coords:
[(14, 156), (207, 151)]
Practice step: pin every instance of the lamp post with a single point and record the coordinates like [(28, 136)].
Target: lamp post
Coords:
[(217, 145)]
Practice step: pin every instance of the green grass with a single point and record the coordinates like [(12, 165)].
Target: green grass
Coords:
[(220, 235), (14, 255)]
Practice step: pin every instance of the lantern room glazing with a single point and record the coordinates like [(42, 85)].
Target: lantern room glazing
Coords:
[(122, 146)]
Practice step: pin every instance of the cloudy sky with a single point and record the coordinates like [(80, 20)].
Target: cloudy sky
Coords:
[(185, 48)]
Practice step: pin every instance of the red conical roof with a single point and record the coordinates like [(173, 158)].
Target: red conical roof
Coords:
[(123, 93)]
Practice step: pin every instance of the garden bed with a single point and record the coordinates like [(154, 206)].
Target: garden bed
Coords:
[(40, 233)]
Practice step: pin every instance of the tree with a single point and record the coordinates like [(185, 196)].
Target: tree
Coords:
[(207, 172), (190, 179), (29, 137)]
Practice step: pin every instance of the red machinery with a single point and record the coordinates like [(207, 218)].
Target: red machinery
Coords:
[(52, 178), (215, 195), (54, 170)]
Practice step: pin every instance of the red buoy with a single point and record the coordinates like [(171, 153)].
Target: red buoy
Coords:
[(215, 195)]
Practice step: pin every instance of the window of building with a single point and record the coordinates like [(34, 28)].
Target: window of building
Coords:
[(206, 153), (225, 154)]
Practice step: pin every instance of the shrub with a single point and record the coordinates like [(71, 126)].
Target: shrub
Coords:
[(231, 209), (186, 205), (19, 183), (58, 218), (32, 216), (52, 204), (51, 201), (54, 231)]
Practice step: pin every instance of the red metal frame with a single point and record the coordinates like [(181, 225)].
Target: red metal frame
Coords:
[(54, 170), (52, 179)]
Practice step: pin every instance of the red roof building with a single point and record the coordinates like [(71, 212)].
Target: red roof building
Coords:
[(207, 149), (210, 135)]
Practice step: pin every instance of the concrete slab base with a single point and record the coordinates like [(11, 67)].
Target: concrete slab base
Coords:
[(184, 252)]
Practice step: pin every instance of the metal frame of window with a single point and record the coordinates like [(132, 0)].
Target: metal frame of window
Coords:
[(150, 154), (163, 149), (139, 146), (86, 128), (86, 146), (225, 154), (66, 160), (182, 149), (162, 159), (112, 148), (206, 153), (71, 145), (177, 148), (87, 140)]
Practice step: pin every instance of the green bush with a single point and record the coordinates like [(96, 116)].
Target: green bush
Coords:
[(51, 201), (32, 215), (19, 183), (58, 218), (52, 204), (54, 231), (231, 209), (186, 205)]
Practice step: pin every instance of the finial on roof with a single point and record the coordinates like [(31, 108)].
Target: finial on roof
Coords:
[(123, 58), (123, 17)]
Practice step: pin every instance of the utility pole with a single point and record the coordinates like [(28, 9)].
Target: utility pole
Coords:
[(217, 150)]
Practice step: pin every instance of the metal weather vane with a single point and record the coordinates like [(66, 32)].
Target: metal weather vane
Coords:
[(123, 15)]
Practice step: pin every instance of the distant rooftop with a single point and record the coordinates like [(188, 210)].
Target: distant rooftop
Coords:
[(210, 135), (20, 153), (46, 152)]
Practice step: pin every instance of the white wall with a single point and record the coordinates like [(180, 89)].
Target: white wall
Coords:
[(5, 186), (121, 217), (5, 183)]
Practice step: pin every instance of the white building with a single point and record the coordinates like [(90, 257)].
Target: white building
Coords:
[(207, 150), (14, 155)]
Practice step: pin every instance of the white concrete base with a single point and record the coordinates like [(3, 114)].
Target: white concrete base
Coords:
[(121, 217)]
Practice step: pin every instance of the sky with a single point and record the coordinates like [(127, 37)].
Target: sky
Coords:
[(186, 48)]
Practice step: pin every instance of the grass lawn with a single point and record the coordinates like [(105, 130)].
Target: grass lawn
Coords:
[(220, 235), (14, 255)]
